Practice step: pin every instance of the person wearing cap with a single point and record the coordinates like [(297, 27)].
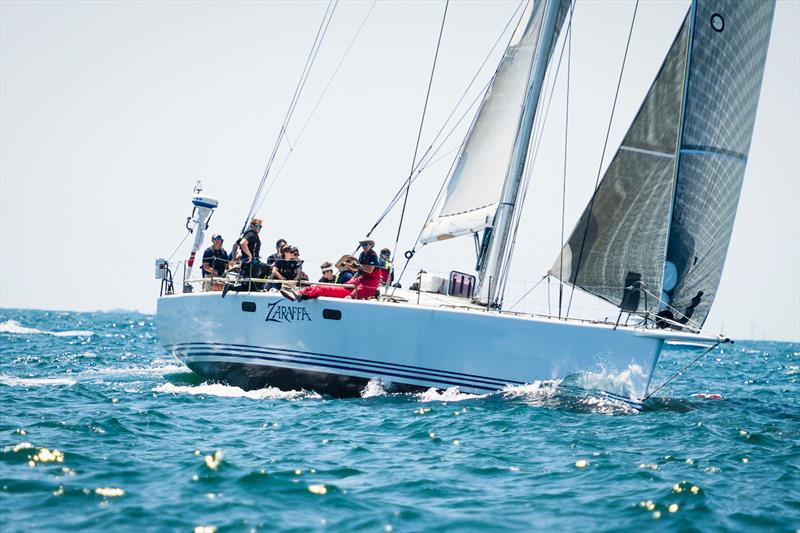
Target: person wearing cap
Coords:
[(327, 273), (215, 261), (368, 278), (347, 270)]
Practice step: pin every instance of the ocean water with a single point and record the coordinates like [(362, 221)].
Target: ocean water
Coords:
[(102, 431)]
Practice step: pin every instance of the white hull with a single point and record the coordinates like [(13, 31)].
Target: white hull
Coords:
[(292, 344)]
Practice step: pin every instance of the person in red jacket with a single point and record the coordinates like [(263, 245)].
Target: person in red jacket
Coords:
[(368, 278)]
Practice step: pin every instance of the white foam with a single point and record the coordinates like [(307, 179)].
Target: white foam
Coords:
[(160, 367), (623, 384), (12, 381), (453, 394), (538, 390), (606, 405), (227, 391), (15, 328), (373, 388)]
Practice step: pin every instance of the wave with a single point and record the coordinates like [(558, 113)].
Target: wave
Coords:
[(160, 367), (535, 390), (373, 388), (12, 381), (228, 391), (453, 394), (15, 328)]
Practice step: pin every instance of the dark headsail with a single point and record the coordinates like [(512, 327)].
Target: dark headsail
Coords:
[(664, 211), (622, 235), (729, 49)]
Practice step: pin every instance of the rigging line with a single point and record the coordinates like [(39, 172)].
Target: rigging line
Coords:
[(540, 125), (422, 164), (602, 155), (425, 163), (179, 245), (527, 292), (564, 185), (319, 101), (421, 124), (681, 371), (321, 31)]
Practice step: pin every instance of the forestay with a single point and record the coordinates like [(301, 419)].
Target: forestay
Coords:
[(475, 187)]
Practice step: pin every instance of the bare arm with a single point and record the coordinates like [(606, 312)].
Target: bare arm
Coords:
[(276, 274)]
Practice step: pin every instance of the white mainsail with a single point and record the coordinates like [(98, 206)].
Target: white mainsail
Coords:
[(475, 187)]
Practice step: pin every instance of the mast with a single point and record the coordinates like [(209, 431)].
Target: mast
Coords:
[(491, 260)]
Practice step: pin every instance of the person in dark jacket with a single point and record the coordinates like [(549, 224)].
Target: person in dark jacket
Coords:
[(288, 267), (250, 246), (277, 255), (215, 261), (327, 273)]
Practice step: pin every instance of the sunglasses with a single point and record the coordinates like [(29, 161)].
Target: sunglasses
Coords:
[(259, 226)]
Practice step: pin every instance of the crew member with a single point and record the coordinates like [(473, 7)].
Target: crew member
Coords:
[(368, 278), (387, 273), (277, 255), (288, 267), (250, 245), (327, 273), (215, 261), (348, 268)]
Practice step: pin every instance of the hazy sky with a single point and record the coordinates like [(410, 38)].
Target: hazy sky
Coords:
[(109, 112)]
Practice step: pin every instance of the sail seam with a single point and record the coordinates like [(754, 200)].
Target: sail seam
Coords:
[(714, 151), (647, 152)]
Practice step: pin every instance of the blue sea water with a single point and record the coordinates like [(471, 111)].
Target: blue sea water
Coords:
[(102, 431)]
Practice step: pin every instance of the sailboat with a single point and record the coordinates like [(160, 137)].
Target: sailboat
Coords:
[(652, 241)]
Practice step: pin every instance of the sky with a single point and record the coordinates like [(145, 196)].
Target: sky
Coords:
[(110, 111)]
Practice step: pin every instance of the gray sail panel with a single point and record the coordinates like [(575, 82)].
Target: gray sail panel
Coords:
[(729, 48), (476, 184), (621, 236)]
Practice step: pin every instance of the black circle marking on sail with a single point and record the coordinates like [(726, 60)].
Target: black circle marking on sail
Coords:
[(717, 22)]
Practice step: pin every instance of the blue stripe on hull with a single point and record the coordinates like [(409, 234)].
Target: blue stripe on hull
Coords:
[(191, 356), (498, 382)]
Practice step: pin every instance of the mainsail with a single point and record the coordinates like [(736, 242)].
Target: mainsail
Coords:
[(664, 211), (475, 187)]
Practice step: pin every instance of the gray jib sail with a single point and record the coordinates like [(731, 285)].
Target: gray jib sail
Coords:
[(622, 235), (726, 65), (476, 184)]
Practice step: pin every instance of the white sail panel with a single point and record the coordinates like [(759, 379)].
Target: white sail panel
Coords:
[(475, 187)]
